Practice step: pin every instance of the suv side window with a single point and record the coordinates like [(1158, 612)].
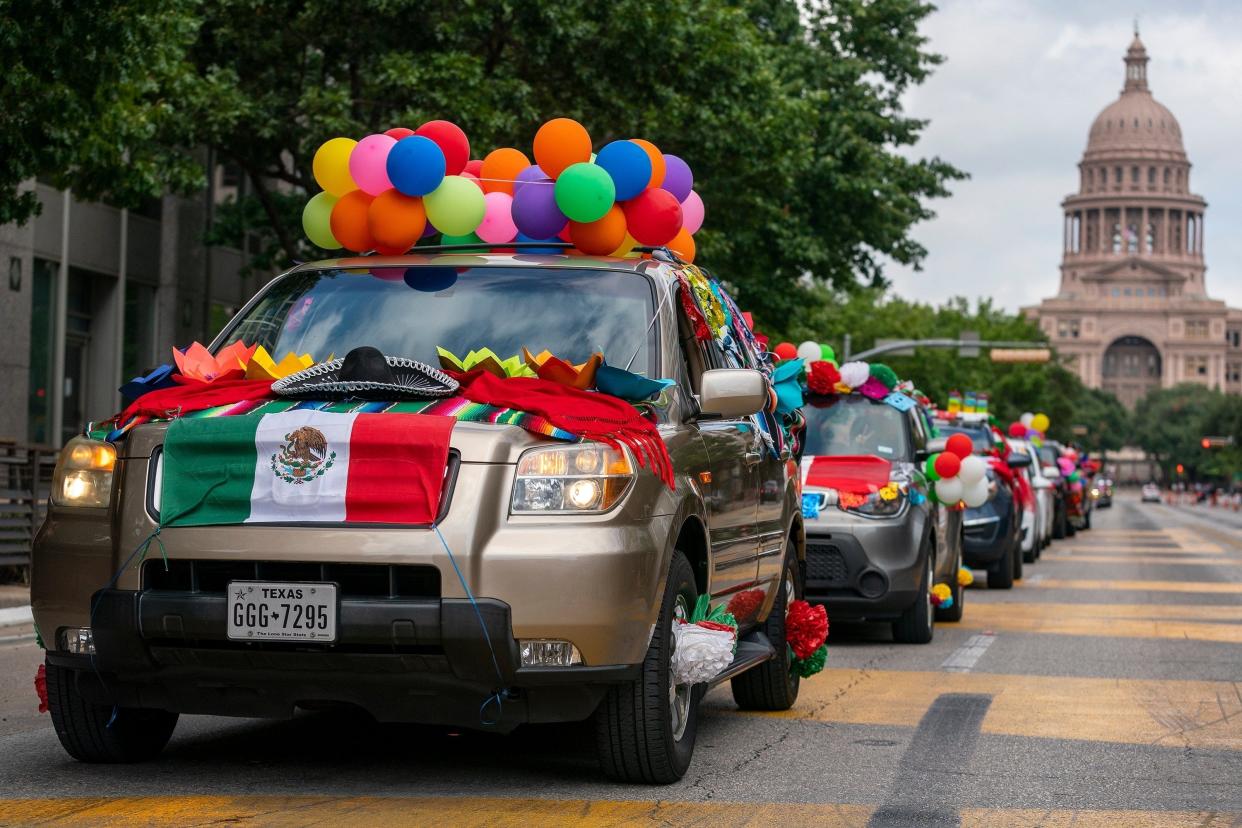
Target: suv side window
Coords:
[(917, 432)]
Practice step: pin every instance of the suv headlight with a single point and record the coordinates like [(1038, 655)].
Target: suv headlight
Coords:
[(578, 479), (83, 475), (885, 503)]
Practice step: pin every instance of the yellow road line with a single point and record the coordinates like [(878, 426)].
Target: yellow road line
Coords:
[(1110, 620), (1200, 714), (1138, 551), (464, 812), (1215, 587), (1153, 559)]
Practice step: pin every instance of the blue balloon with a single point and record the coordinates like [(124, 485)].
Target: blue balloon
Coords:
[(628, 165), (525, 238), (415, 165)]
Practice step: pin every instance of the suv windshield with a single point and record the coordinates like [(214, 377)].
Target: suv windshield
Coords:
[(979, 435), (408, 311), (853, 424)]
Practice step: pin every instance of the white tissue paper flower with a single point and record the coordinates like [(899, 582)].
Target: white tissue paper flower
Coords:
[(855, 374), (700, 654)]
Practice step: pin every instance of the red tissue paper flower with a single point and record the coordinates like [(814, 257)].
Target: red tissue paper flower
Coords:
[(823, 377), (806, 628), (716, 625), (41, 687)]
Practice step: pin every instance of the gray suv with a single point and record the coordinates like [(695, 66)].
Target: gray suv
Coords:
[(878, 560)]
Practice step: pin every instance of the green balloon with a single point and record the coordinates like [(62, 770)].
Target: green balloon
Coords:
[(929, 469), (469, 238), (584, 192), (317, 221), (456, 207), (827, 354)]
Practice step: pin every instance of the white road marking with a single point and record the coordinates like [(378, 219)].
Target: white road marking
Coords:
[(1035, 579), (964, 657), (15, 615)]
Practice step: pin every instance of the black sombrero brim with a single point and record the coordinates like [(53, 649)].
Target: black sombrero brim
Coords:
[(411, 380)]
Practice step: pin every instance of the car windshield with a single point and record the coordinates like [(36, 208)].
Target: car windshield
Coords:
[(852, 424), (409, 311), (1047, 455), (979, 435)]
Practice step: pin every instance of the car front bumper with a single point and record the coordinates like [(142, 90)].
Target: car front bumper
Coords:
[(864, 569)]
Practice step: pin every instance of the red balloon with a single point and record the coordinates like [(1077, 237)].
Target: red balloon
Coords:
[(958, 444), (1017, 430), (947, 464), (474, 167), (349, 221), (786, 350), (397, 133), (451, 140), (653, 217)]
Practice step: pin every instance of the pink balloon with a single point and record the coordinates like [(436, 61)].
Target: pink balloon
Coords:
[(692, 212), (497, 226), (368, 164)]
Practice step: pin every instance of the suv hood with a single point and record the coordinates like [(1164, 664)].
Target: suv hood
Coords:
[(474, 442)]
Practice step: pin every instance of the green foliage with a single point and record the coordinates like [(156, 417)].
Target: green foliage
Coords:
[(789, 114), (1108, 423), (94, 98), (1169, 424)]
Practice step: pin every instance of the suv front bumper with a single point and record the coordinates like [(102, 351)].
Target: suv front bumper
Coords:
[(423, 660)]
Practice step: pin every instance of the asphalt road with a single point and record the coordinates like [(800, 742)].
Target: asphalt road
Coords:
[(1105, 689)]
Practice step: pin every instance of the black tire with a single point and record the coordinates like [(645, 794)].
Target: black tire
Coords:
[(1001, 572), (917, 624), (772, 685), (635, 739), (101, 733), (1086, 524), (954, 613), (1070, 530), (1017, 557), (1059, 522)]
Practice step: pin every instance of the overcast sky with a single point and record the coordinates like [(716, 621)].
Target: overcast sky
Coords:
[(1012, 104)]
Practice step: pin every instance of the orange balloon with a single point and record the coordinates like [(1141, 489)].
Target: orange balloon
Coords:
[(683, 245), (349, 221), (657, 161), (396, 221), (560, 143), (502, 167), (601, 237)]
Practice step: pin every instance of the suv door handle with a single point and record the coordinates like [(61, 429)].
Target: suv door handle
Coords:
[(753, 457)]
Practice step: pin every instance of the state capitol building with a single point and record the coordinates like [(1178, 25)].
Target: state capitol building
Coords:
[(1132, 312)]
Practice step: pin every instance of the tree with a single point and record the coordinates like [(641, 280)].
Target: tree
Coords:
[(93, 99), (1108, 423), (1169, 424), (789, 113)]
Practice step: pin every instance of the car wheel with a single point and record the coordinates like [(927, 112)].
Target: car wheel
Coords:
[(1058, 524), (103, 733), (954, 613), (1070, 530), (1001, 572), (916, 624), (772, 685), (1018, 560), (645, 729), (1086, 524)]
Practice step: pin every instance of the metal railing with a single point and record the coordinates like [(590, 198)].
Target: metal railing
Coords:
[(25, 480)]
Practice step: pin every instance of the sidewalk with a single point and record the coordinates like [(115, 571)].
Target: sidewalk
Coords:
[(14, 604), (1217, 514)]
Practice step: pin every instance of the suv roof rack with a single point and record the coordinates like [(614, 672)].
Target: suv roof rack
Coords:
[(660, 252)]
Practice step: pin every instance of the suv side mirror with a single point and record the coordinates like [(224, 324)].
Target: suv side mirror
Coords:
[(1051, 472), (1018, 460), (732, 392), (934, 446)]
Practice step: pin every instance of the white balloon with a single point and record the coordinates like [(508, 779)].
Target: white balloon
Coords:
[(1026, 419), (949, 490), (976, 495), (809, 350), (855, 374), (974, 468)]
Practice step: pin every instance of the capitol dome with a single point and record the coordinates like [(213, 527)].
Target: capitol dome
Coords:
[(1135, 123)]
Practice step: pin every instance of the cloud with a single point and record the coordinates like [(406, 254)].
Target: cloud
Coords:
[(1012, 105)]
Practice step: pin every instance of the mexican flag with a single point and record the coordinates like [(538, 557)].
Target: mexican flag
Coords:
[(304, 467)]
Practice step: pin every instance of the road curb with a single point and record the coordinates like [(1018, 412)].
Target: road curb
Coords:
[(11, 616)]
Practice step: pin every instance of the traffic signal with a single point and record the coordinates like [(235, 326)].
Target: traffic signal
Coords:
[(1216, 442), (1206, 443), (1181, 469)]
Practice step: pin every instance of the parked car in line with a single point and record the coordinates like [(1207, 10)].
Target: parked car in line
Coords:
[(582, 561), (1034, 503), (1051, 470), (878, 561), (1151, 493), (1102, 492), (991, 536)]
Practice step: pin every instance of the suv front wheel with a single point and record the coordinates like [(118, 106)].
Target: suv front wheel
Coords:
[(645, 729), (101, 732)]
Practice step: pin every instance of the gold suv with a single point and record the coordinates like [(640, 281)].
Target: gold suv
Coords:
[(538, 599)]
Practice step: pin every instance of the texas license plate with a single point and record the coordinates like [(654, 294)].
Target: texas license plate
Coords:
[(281, 611)]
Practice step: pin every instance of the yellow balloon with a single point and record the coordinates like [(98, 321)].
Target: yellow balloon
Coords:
[(331, 166), (1040, 422), (626, 247)]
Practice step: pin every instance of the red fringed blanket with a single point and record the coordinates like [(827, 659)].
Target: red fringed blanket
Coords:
[(182, 399), (593, 416)]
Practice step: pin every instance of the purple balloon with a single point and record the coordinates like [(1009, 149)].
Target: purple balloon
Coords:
[(535, 212), (531, 173), (429, 230), (678, 179)]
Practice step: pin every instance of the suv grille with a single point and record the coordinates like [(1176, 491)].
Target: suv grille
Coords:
[(355, 580), (824, 562)]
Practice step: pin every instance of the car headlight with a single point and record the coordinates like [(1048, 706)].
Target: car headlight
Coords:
[(579, 479), (885, 503), (83, 475)]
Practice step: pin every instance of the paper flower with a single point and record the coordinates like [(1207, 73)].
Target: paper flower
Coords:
[(942, 596), (854, 374), (40, 684), (487, 360), (890, 492), (810, 505), (554, 369), (806, 627), (851, 500), (872, 389), (807, 667), (262, 367), (700, 653), (822, 378), (965, 577), (887, 376), (197, 363)]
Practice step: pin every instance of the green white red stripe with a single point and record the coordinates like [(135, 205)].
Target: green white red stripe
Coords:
[(304, 466)]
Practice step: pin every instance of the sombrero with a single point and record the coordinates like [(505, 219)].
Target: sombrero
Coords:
[(367, 374)]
